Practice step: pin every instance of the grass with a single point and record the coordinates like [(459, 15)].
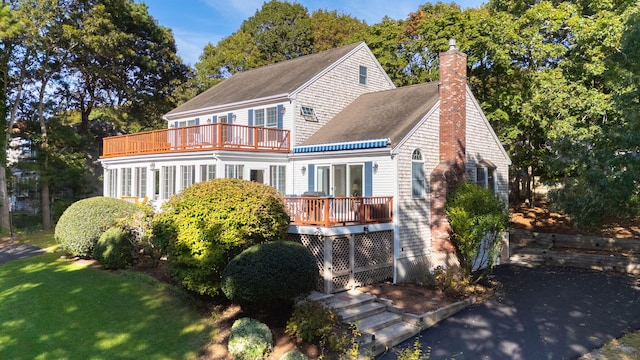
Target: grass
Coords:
[(51, 308)]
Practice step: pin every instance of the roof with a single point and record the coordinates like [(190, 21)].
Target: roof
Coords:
[(389, 114), (266, 81)]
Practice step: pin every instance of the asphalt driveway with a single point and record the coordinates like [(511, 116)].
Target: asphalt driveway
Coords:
[(543, 313), (18, 251)]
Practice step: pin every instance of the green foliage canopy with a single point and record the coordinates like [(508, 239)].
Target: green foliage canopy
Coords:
[(209, 223)]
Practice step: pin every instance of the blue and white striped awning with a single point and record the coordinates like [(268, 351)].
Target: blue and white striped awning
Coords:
[(348, 145)]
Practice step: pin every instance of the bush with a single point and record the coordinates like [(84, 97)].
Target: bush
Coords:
[(250, 339), (294, 355), (209, 223), (81, 225), (477, 219), (311, 321), (116, 248), (270, 273)]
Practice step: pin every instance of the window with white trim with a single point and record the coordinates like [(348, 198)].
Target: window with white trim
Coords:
[(185, 123), (168, 181), (308, 113), (188, 174), (417, 175), (486, 177), (267, 117), (232, 171), (141, 182), (207, 172), (272, 117), (277, 177), (363, 75), (112, 182), (126, 182)]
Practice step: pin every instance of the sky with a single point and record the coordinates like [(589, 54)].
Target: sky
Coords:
[(198, 22)]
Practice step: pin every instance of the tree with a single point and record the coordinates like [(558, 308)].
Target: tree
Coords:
[(120, 57), (82, 55), (9, 27), (281, 31), (278, 31), (331, 29)]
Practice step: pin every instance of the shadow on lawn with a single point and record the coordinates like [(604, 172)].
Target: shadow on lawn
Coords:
[(51, 308)]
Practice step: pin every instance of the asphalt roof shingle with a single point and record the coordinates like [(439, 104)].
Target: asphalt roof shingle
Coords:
[(270, 80), (385, 114)]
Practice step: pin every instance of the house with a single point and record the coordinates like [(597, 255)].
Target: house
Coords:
[(363, 167)]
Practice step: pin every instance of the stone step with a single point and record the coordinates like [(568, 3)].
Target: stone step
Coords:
[(376, 322), (393, 335), (352, 314), (348, 299)]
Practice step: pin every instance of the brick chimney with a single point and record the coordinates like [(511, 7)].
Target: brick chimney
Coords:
[(451, 169)]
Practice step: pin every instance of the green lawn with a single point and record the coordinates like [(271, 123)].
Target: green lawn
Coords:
[(51, 308)]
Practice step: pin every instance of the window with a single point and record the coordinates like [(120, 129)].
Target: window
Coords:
[(188, 173), (266, 117), (112, 182), (363, 75), (126, 182), (258, 117), (272, 117), (167, 175), (417, 175), (185, 123), (277, 178), (308, 113), (207, 172), (141, 182), (486, 175), (233, 171)]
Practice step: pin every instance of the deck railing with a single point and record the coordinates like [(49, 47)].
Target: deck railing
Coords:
[(218, 136), (339, 211)]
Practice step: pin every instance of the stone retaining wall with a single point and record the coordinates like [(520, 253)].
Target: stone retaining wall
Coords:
[(589, 252)]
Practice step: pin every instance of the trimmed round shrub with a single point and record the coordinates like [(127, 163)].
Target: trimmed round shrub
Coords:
[(270, 273), (250, 339), (294, 355), (209, 223), (81, 225), (116, 248)]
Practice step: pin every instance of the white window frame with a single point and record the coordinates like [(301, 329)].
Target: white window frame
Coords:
[(271, 119), (234, 171), (417, 179), (167, 181), (207, 172), (126, 182), (112, 182), (308, 113), (278, 178), (188, 175), (362, 75), (141, 181), (486, 178)]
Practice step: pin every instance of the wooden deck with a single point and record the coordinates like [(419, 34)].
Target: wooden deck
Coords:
[(218, 136), (339, 211)]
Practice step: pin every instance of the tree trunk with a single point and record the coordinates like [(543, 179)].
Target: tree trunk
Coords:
[(46, 204), (44, 171), (5, 204)]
